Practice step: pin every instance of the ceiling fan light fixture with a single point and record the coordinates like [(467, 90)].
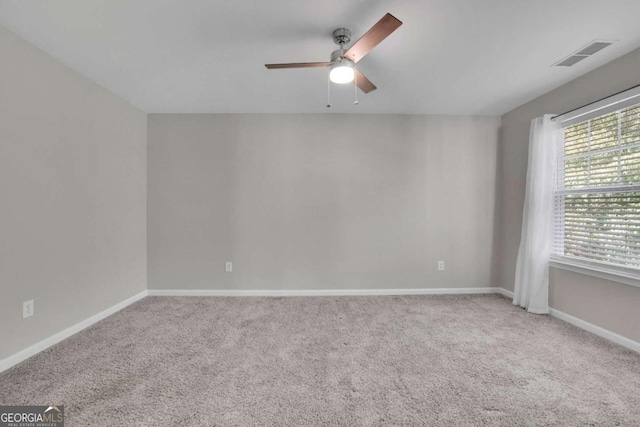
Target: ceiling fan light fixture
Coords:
[(342, 71)]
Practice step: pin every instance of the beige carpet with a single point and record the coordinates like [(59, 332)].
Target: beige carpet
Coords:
[(332, 361)]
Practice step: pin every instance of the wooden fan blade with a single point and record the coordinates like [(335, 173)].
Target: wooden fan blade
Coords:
[(297, 65), (380, 31), (364, 83)]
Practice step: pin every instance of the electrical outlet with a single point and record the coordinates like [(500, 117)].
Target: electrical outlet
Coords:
[(27, 309), (228, 267), (440, 265)]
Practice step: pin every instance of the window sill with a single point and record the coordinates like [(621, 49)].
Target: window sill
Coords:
[(623, 275)]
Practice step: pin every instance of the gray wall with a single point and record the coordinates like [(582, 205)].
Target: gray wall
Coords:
[(613, 306), (72, 194), (321, 201)]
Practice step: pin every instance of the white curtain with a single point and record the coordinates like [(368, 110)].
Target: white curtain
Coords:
[(532, 269)]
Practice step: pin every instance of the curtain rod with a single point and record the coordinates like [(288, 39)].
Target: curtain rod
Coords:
[(598, 100)]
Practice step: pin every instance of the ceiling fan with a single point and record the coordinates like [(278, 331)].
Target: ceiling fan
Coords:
[(343, 61)]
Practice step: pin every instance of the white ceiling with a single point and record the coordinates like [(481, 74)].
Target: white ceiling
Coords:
[(207, 56)]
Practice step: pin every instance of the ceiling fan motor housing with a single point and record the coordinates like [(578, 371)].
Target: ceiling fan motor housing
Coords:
[(336, 56), (341, 37)]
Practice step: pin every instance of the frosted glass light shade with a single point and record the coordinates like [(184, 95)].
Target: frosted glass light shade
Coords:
[(342, 72)]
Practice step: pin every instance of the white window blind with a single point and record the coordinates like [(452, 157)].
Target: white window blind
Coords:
[(597, 197)]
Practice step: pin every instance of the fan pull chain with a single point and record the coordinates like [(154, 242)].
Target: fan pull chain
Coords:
[(355, 86), (328, 91)]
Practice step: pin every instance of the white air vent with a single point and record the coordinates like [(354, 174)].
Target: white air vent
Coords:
[(583, 53)]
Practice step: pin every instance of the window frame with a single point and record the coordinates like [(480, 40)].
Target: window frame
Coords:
[(591, 267)]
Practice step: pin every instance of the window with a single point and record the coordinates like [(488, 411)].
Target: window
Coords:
[(597, 196)]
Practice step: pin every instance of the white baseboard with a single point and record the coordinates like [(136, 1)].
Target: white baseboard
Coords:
[(321, 292), (505, 292), (22, 355), (596, 330), (582, 324)]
